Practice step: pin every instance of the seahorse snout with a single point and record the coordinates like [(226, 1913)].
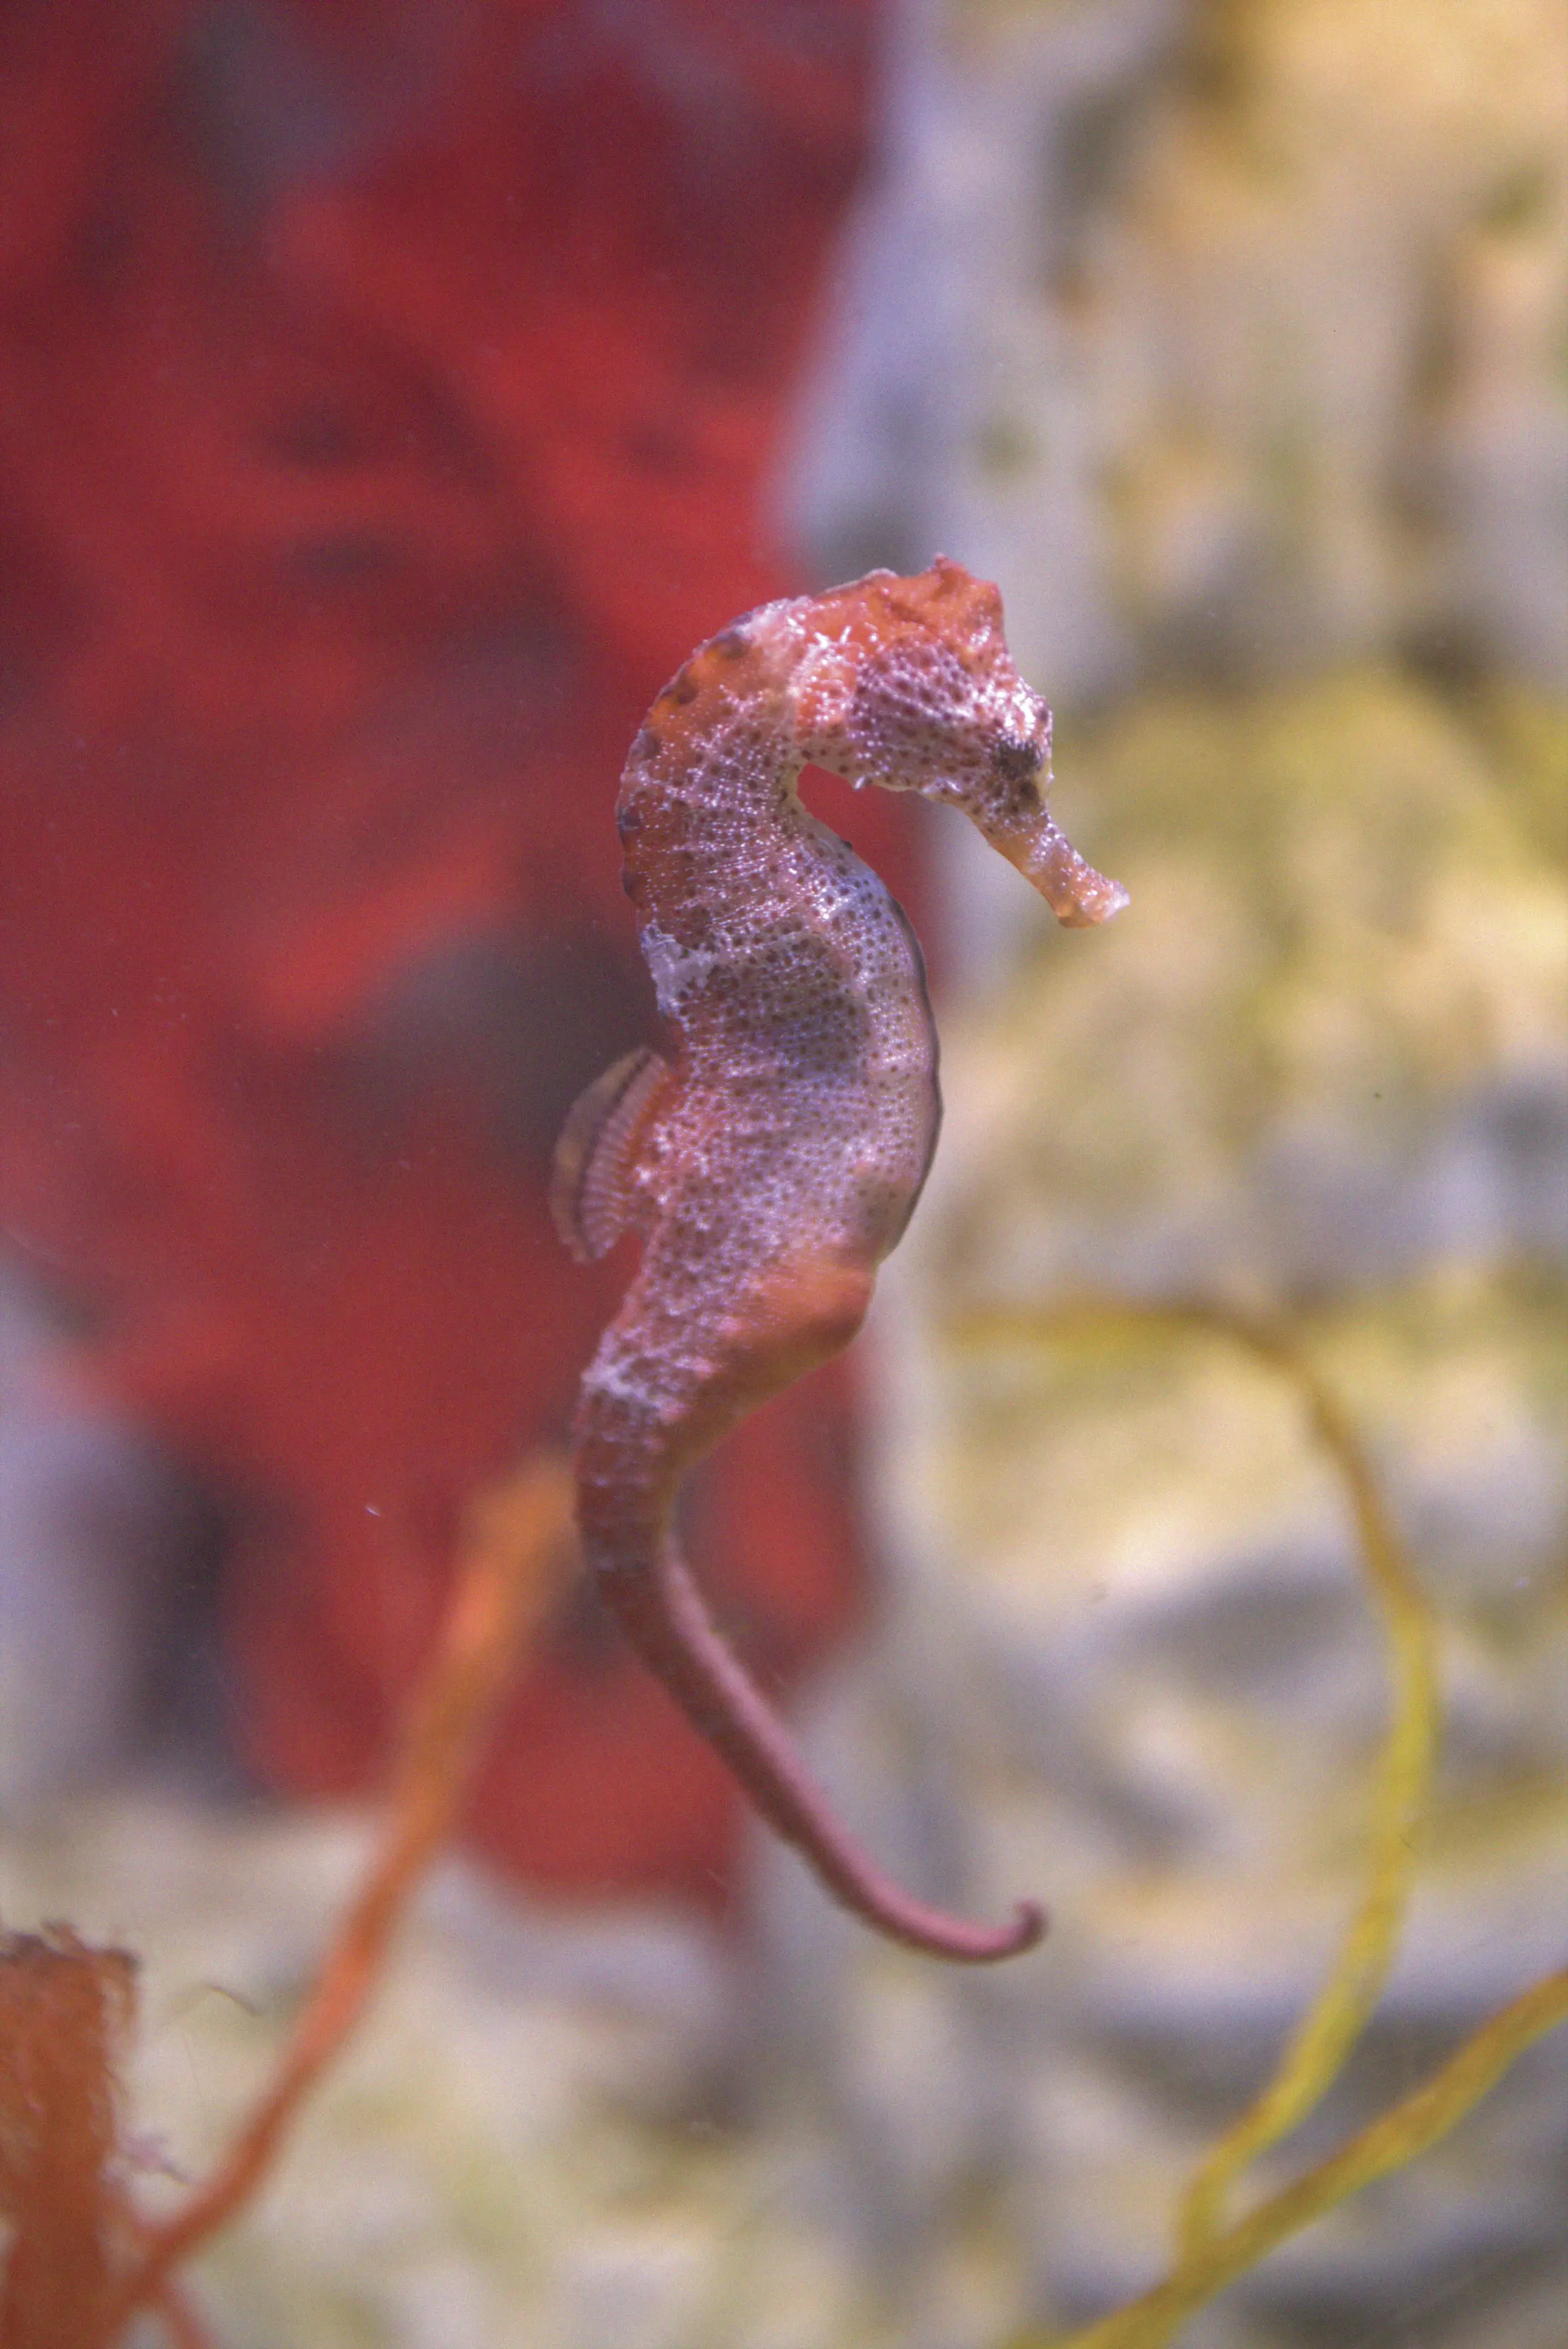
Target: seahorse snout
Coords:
[(1077, 895)]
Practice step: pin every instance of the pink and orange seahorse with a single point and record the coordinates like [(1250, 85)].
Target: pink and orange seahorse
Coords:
[(776, 1160)]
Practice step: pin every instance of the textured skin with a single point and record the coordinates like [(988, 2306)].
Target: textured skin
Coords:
[(780, 1157)]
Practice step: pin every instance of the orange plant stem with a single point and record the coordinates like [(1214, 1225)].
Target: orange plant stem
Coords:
[(181, 2322), (516, 1533)]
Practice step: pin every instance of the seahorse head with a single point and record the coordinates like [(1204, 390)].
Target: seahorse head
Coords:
[(909, 683)]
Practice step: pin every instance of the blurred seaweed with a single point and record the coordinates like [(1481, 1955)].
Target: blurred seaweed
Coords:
[(79, 2263), (1213, 2253)]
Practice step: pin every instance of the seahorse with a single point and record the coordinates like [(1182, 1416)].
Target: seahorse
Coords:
[(773, 1161)]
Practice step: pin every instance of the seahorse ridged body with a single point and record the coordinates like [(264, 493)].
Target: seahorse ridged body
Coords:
[(775, 1159)]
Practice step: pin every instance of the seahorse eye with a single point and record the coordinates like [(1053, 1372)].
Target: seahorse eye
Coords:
[(1016, 761)]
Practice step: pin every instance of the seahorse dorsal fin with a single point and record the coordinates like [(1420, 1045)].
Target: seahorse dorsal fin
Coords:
[(590, 1193)]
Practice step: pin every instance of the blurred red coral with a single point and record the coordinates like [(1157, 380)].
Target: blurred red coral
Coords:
[(386, 395)]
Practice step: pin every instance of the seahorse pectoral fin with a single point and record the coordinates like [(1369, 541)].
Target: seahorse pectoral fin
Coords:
[(592, 1197)]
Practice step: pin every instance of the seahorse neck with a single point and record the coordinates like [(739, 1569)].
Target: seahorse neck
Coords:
[(723, 863)]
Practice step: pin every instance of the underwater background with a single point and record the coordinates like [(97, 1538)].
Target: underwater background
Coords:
[(390, 396)]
